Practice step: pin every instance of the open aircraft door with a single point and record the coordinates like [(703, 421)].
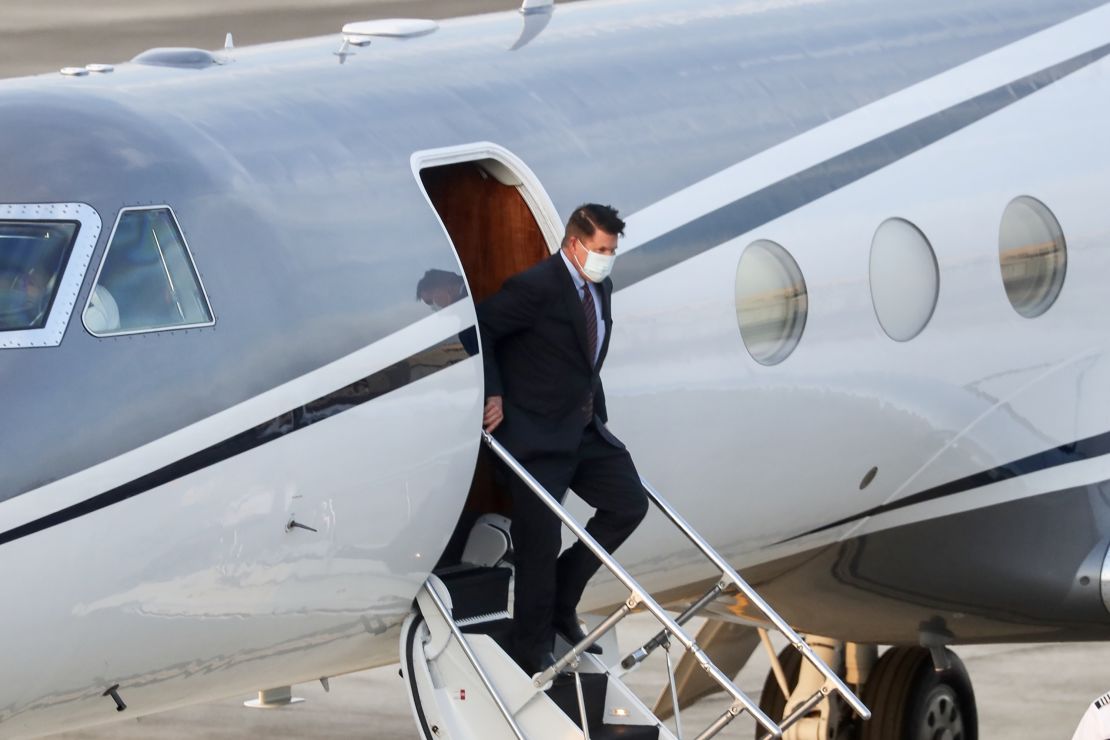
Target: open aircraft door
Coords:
[(500, 221)]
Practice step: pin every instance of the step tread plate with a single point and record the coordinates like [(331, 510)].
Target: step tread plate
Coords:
[(594, 685), (476, 591), (565, 695), (624, 732), (501, 630)]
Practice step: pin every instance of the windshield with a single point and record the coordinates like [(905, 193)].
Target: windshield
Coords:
[(32, 257), (148, 281)]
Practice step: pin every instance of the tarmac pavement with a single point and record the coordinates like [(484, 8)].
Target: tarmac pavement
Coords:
[(1023, 692)]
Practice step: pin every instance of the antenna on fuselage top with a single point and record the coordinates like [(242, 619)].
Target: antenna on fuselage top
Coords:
[(537, 14), (229, 42), (361, 33)]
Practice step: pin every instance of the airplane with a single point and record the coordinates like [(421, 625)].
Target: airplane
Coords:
[(856, 338)]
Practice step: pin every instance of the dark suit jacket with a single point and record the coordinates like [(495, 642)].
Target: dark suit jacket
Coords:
[(536, 357)]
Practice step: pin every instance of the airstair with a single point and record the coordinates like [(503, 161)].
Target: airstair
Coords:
[(463, 684)]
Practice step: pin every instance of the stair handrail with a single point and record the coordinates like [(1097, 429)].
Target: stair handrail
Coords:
[(758, 601), (456, 633), (639, 596)]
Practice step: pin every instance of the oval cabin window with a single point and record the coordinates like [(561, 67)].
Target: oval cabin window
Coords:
[(905, 279), (771, 302), (1033, 256)]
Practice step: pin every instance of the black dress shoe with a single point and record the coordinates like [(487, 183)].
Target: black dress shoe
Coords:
[(569, 628)]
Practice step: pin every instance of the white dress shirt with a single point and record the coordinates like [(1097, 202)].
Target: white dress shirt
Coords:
[(594, 291)]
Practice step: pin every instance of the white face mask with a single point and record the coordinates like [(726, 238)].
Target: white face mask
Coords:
[(598, 266)]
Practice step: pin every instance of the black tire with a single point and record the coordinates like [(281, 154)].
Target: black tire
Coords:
[(771, 699), (911, 701)]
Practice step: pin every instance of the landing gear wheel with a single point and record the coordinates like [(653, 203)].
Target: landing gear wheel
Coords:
[(771, 699), (909, 700)]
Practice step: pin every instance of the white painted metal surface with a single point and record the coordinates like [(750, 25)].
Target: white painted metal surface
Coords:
[(688, 365), (530, 187), (391, 28), (383, 483), (904, 279)]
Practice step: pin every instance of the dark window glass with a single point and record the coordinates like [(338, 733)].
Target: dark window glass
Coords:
[(33, 255)]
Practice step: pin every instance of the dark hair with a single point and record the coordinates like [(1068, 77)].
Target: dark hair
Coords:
[(436, 279), (590, 217)]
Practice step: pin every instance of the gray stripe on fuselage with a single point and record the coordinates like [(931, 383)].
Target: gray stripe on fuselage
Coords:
[(802, 188)]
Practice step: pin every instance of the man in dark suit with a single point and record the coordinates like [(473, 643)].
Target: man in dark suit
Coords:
[(544, 339)]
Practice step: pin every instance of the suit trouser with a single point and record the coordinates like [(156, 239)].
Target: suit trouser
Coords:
[(549, 584)]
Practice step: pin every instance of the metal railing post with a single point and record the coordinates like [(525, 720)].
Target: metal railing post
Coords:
[(750, 593), (640, 654), (639, 595)]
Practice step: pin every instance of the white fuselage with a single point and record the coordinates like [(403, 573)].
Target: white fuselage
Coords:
[(198, 588)]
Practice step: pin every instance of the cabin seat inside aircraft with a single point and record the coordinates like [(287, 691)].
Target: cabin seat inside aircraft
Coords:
[(102, 313)]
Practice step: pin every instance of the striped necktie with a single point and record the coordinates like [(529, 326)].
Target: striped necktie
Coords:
[(591, 340), (589, 307)]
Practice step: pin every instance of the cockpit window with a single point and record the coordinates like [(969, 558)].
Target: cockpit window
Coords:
[(147, 281), (33, 255)]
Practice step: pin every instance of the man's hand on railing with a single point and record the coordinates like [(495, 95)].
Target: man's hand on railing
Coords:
[(493, 414)]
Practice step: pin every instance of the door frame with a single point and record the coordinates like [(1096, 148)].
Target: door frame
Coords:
[(530, 187)]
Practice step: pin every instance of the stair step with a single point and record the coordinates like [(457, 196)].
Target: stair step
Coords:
[(625, 732), (501, 630), (565, 695), (477, 591), (594, 685)]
